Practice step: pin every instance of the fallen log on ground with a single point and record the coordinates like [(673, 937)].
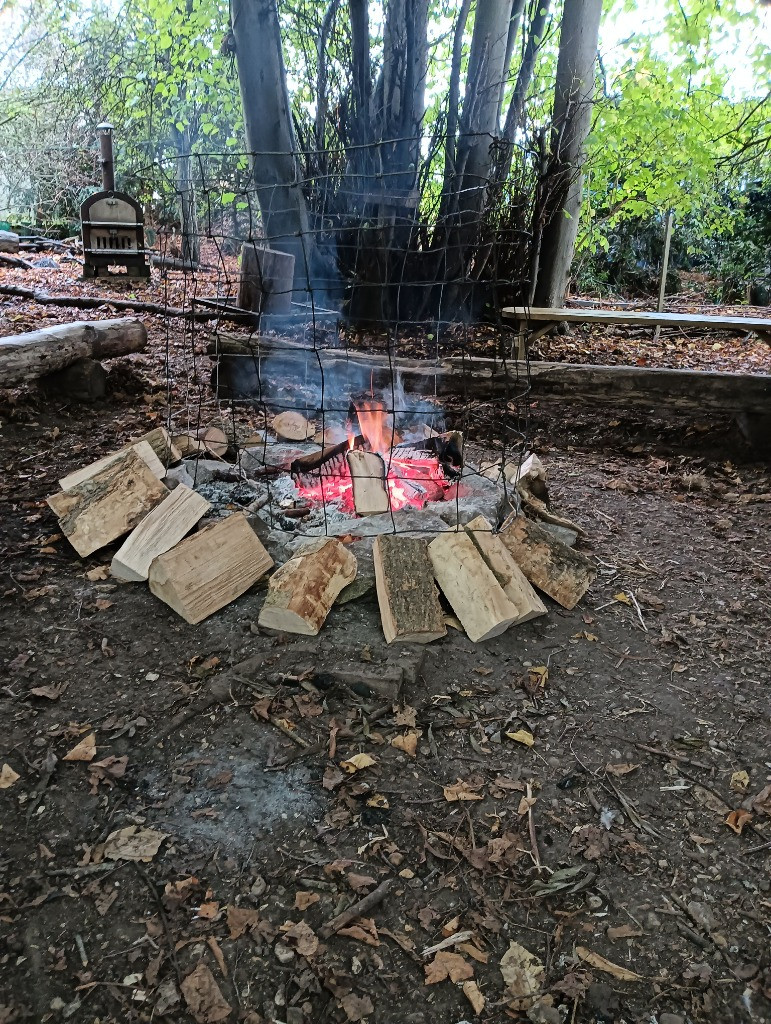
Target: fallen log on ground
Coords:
[(24, 357), (687, 391), (15, 261), (9, 241), (96, 302)]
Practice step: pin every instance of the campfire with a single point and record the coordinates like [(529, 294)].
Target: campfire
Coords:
[(376, 470)]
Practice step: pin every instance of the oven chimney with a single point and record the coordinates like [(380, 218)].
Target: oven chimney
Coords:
[(108, 165)]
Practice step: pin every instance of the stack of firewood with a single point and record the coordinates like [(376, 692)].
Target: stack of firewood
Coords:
[(487, 578), (124, 494)]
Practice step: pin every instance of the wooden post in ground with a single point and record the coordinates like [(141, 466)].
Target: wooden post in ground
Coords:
[(664, 267)]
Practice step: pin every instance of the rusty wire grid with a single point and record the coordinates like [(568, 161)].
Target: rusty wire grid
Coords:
[(384, 308)]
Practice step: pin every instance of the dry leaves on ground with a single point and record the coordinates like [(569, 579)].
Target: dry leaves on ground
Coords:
[(448, 965), (461, 790), (133, 843), (83, 751), (523, 975), (601, 964), (204, 999), (8, 777)]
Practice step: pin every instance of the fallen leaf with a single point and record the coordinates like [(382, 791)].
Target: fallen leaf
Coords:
[(525, 803), (621, 769), (378, 800), (241, 920), (523, 975), (601, 964), (472, 951), (49, 692), (360, 883), (521, 736), (106, 771), (740, 781), (407, 716), (101, 572), (8, 777), (474, 996), (710, 800), (303, 900), (624, 931), (362, 930), (408, 742), (482, 670), (736, 820), (761, 802), (209, 911), (460, 791), (357, 1007), (448, 965), (537, 678), (83, 751), (622, 598), (332, 777), (203, 996), (303, 937), (133, 843), (357, 763), (218, 955)]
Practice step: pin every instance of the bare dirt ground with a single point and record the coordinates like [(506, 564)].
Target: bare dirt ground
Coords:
[(618, 866)]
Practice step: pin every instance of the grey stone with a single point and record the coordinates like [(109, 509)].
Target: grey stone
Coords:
[(284, 954), (203, 471), (364, 581), (409, 522), (176, 475)]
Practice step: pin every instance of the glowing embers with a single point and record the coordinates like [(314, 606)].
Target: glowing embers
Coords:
[(375, 471)]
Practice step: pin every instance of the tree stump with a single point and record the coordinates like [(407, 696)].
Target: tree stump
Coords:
[(266, 279)]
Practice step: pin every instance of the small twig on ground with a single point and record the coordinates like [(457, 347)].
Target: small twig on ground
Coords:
[(162, 914), (637, 608), (451, 940), (358, 909), (674, 757), (531, 829), (49, 767)]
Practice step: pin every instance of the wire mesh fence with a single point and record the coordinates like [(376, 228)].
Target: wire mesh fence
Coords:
[(359, 302)]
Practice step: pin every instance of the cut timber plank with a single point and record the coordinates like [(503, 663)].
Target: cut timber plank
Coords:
[(210, 569), (370, 496), (140, 448), (635, 318), (507, 572), (302, 591), (107, 505), (470, 586), (565, 575), (406, 592), (158, 532)]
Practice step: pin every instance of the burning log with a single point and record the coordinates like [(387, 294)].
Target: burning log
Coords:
[(447, 448), (307, 470), (370, 496)]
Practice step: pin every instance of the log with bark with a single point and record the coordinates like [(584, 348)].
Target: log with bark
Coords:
[(682, 391), (511, 578), (406, 592), (565, 575), (103, 507), (24, 357), (302, 592)]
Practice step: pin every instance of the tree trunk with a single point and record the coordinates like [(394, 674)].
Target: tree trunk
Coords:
[(191, 239), (270, 135), (571, 121)]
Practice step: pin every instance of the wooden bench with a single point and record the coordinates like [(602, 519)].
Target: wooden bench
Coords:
[(534, 322)]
